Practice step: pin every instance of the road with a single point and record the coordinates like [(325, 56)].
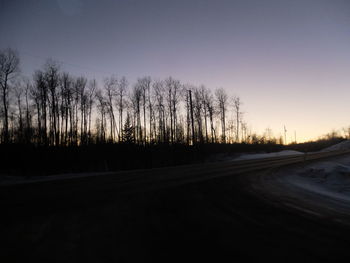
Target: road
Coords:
[(216, 211)]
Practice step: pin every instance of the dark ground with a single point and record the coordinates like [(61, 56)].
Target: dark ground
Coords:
[(34, 160), (221, 220)]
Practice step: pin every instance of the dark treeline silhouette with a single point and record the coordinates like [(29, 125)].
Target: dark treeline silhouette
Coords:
[(29, 159), (56, 108), (58, 123), (32, 160)]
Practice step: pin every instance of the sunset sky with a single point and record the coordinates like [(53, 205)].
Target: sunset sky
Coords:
[(289, 61)]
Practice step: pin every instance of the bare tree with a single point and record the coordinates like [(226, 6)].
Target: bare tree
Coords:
[(121, 95), (209, 105), (221, 98), (237, 110), (28, 113), (75, 110), (144, 85), (9, 67), (187, 93), (152, 123), (205, 97), (52, 78), (66, 110), (91, 96), (198, 106), (244, 132), (110, 87), (58, 109), (83, 101), (346, 131), (158, 89), (173, 88), (18, 92), (101, 123), (40, 96), (135, 98)]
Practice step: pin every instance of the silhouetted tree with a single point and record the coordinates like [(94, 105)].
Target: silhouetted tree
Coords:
[(110, 87), (158, 89), (136, 97), (128, 131), (40, 95), (172, 88), (91, 94), (56, 108), (221, 98), (144, 85), (51, 80), (28, 133), (66, 109), (210, 109), (237, 110), (197, 109), (121, 103), (9, 67), (18, 92), (101, 121)]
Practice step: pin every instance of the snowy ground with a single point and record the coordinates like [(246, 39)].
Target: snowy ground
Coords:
[(326, 178), (345, 145), (320, 188), (266, 155)]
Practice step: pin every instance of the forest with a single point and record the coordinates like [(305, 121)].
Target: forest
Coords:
[(56, 108), (65, 121)]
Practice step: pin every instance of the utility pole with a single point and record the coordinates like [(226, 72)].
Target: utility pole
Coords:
[(285, 135), (191, 108), (295, 137)]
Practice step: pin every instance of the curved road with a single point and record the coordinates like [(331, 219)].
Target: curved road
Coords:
[(221, 211)]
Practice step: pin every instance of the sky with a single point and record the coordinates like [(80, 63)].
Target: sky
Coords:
[(289, 61)]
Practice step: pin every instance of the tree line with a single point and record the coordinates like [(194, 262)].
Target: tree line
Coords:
[(57, 108)]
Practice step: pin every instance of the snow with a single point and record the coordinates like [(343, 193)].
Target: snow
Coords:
[(345, 145), (266, 155), (327, 178)]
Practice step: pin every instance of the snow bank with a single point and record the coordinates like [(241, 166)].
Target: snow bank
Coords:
[(266, 155), (345, 145), (328, 178)]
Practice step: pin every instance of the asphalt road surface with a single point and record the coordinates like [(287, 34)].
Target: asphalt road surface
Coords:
[(222, 212)]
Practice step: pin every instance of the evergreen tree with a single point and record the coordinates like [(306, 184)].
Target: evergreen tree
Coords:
[(128, 131)]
